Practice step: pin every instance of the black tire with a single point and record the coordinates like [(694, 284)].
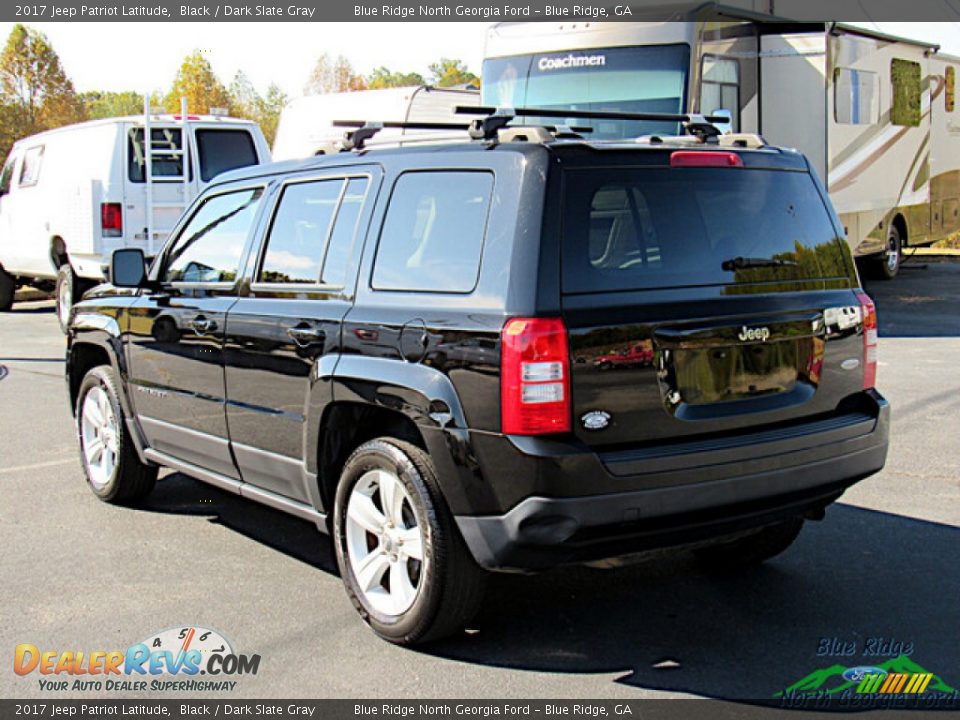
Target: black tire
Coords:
[(67, 293), (450, 585), (751, 550), (887, 265), (8, 288), (131, 480)]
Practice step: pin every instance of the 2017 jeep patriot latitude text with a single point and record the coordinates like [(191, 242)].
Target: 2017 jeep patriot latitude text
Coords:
[(402, 346)]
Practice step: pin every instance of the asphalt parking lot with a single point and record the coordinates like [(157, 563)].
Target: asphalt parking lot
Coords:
[(79, 574)]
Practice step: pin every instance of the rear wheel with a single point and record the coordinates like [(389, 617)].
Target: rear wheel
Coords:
[(401, 558), (751, 550), (888, 264), (113, 469), (67, 293), (8, 287)]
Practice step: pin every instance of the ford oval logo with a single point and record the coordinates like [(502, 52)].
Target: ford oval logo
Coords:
[(856, 674), (595, 420)]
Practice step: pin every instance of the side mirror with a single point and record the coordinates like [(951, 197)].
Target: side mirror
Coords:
[(725, 128), (128, 268)]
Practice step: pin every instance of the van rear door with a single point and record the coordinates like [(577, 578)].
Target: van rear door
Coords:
[(733, 280)]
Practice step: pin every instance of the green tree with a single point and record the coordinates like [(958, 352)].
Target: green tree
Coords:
[(35, 92), (105, 104), (382, 77), (329, 76), (271, 106), (197, 82), (450, 72)]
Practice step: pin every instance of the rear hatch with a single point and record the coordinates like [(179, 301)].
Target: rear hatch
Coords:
[(729, 286)]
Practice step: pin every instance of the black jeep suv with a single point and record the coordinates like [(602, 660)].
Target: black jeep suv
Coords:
[(401, 345)]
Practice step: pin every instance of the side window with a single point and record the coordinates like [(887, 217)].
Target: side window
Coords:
[(906, 80), (720, 87), (299, 231), (167, 154), (856, 97), (343, 237), (6, 177), (950, 94), (432, 236), (30, 169), (208, 249), (222, 150)]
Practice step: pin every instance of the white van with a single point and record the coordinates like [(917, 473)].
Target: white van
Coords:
[(69, 197), (306, 125)]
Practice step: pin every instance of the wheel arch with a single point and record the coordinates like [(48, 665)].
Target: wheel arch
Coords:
[(899, 221)]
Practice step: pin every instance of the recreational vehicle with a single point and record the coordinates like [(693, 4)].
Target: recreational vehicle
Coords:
[(307, 123), (69, 197), (876, 114)]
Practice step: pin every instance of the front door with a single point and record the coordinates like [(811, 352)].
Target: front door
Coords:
[(283, 337), (176, 335)]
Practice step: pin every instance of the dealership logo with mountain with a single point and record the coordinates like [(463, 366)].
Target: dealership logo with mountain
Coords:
[(899, 676)]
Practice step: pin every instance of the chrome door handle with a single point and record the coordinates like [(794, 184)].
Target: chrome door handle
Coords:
[(304, 336), (202, 325)]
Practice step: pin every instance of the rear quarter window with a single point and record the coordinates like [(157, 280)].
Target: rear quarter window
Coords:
[(432, 235), (660, 227), (223, 150)]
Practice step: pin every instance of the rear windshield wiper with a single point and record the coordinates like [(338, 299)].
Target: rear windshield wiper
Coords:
[(740, 263)]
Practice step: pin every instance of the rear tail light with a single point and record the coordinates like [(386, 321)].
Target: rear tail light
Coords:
[(535, 377), (704, 158), (111, 219), (869, 312)]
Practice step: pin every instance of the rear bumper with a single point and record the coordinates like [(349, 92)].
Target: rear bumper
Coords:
[(689, 494)]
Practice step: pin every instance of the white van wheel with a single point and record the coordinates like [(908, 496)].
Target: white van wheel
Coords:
[(66, 294)]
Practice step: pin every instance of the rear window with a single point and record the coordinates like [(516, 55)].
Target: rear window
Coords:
[(167, 148), (654, 228), (222, 150)]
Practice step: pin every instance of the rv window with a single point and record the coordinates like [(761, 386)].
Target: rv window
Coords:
[(340, 247), (906, 80), (30, 170), (222, 150), (208, 249), (299, 231), (720, 87), (433, 233), (167, 162), (856, 97), (950, 96)]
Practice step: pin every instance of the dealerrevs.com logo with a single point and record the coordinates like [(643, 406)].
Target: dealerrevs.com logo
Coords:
[(189, 659)]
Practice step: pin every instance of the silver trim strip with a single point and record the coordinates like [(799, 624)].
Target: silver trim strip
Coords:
[(264, 497)]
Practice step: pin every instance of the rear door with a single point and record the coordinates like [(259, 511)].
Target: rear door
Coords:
[(734, 277), (284, 335)]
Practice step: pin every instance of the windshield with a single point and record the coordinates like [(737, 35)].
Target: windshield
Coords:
[(660, 227), (624, 79)]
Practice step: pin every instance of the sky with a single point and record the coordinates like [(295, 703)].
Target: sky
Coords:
[(146, 56)]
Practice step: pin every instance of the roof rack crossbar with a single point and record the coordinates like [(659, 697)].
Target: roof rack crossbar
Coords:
[(586, 114), (478, 129)]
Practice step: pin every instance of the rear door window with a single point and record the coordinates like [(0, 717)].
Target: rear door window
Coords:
[(432, 236), (658, 227), (168, 155), (222, 150)]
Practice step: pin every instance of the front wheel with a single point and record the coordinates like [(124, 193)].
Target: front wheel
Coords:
[(401, 558), (8, 288), (110, 462)]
